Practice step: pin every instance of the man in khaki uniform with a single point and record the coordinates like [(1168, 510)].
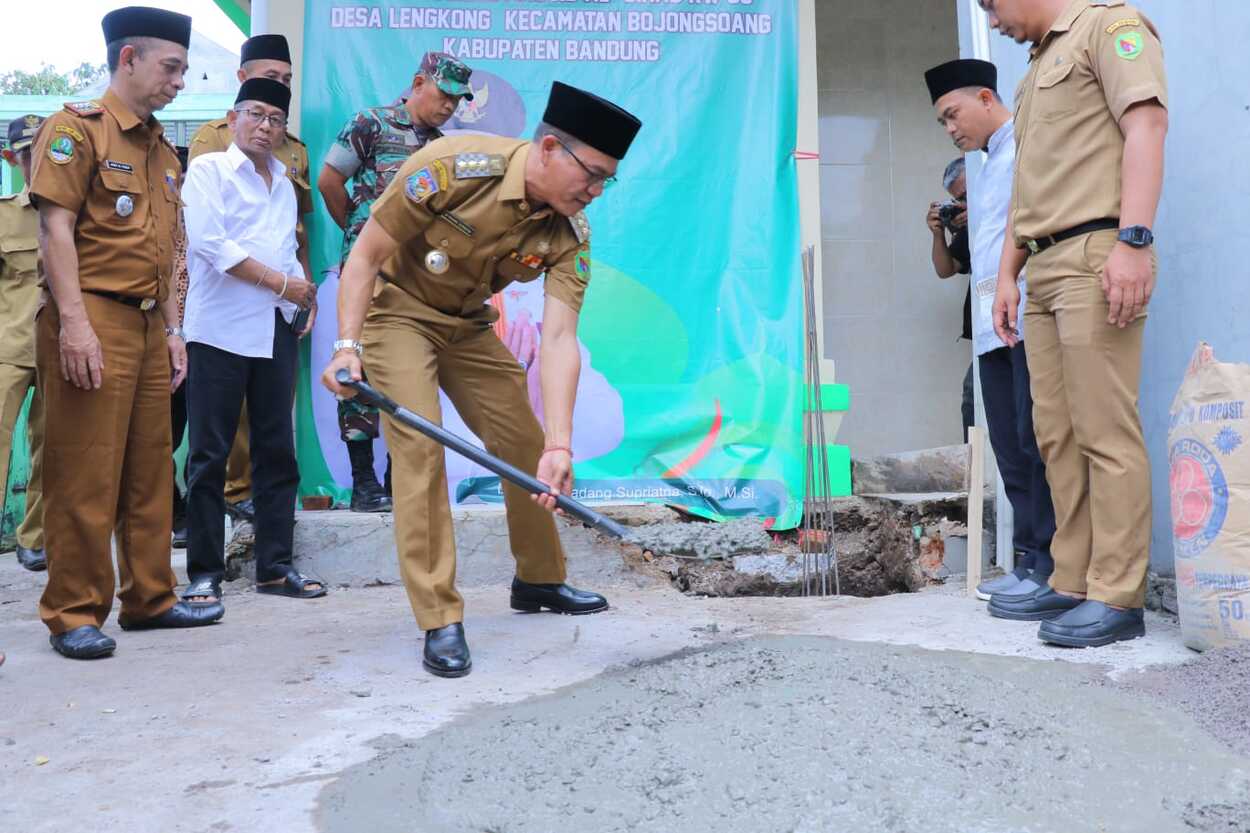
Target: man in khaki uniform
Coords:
[(19, 297), (262, 56), (108, 346), (464, 218), (1091, 122)]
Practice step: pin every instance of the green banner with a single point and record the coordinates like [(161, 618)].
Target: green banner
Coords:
[(692, 330)]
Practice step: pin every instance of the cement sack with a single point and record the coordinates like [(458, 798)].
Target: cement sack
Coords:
[(1209, 458)]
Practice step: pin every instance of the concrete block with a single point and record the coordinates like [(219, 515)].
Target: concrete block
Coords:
[(931, 470)]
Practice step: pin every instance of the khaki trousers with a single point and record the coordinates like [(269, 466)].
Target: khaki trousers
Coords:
[(15, 381), (408, 357), (106, 471), (239, 463), (1085, 378)]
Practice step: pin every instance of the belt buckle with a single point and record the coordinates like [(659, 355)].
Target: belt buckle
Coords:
[(1034, 246), (147, 304)]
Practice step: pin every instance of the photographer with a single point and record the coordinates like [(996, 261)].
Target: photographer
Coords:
[(951, 257)]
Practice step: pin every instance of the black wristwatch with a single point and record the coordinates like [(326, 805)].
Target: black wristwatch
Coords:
[(1139, 237)]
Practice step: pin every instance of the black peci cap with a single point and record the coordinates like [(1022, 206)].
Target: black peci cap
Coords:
[(595, 121), (956, 75), (265, 48), (145, 22), (267, 91)]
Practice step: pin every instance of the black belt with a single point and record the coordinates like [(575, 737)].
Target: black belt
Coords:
[(1044, 243), (144, 304)]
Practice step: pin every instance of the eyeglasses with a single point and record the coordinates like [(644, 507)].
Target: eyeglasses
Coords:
[(606, 180), (276, 122)]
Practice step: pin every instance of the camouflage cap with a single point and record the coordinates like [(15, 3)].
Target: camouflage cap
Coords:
[(451, 76), (22, 131)]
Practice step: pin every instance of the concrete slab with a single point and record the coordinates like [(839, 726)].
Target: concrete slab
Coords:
[(238, 727)]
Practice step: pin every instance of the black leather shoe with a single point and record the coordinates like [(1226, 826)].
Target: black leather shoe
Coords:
[(242, 510), (86, 642), (33, 560), (560, 598), (446, 653), (370, 498), (181, 615), (1092, 625), (1033, 607)]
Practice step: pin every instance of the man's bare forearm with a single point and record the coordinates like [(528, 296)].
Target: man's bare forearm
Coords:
[(60, 263), (1145, 130), (561, 367)]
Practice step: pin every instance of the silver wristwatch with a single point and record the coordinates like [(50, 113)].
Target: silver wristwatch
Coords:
[(349, 344), (175, 331)]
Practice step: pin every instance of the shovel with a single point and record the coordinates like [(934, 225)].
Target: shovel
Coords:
[(463, 447)]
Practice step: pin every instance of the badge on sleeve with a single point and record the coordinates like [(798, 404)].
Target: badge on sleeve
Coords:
[(61, 150), (1129, 45), (421, 185), (583, 263)]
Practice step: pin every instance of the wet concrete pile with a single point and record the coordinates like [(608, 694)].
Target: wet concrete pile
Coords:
[(807, 734)]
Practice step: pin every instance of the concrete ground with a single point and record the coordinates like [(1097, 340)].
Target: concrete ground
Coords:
[(265, 721)]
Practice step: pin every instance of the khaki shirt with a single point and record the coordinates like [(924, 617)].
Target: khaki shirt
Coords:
[(214, 136), (19, 279), (464, 196), (120, 176), (1099, 59)]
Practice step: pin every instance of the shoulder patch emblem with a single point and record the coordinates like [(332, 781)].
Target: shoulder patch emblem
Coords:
[(1122, 24), (480, 165), (421, 185), (583, 263), (1129, 45), (440, 172), (581, 226), (61, 150), (84, 108), (70, 132)]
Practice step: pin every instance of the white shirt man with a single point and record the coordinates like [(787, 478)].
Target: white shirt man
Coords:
[(231, 215), (969, 108), (246, 286)]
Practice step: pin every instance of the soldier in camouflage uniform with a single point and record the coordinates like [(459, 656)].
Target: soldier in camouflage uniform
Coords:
[(369, 151)]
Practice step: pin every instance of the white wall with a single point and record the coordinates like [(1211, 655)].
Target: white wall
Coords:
[(890, 324)]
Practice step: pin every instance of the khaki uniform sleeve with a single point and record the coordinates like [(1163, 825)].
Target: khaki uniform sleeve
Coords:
[(63, 162), (207, 139), (421, 190), (568, 278), (1128, 59)]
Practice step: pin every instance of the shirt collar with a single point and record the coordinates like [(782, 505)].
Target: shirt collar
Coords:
[(513, 185), (1001, 135), (238, 158), (124, 115), (1062, 24)]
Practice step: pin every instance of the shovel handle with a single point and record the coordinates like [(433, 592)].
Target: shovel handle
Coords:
[(367, 393)]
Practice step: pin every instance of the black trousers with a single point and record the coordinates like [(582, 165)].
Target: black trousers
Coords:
[(178, 417), (222, 381), (1009, 414)]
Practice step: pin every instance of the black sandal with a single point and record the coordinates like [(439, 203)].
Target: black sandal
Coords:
[(202, 587), (294, 585)]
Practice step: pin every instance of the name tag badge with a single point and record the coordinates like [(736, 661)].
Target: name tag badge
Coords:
[(114, 165), (125, 206)]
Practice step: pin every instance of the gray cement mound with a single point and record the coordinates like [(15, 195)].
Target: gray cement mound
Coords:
[(807, 734), (695, 539)]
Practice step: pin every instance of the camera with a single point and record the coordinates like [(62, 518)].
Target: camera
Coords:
[(949, 210)]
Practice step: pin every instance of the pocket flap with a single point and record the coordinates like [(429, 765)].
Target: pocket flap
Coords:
[(9, 245), (443, 235), (1054, 76), (119, 181)]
